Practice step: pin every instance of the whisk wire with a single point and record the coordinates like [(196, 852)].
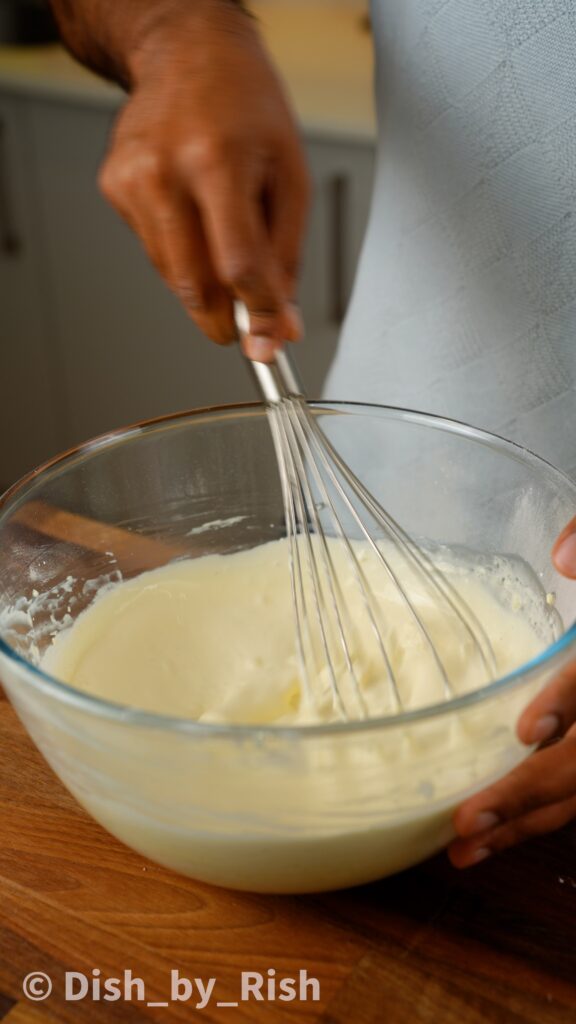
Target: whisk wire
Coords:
[(364, 587), (296, 575), (302, 451), (376, 550), (433, 576), (298, 484), (309, 463)]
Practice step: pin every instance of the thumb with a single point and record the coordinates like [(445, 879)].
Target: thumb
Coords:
[(564, 551)]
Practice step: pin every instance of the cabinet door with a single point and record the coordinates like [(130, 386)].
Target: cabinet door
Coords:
[(342, 176), (31, 396), (128, 350)]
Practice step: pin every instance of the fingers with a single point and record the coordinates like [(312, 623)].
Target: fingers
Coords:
[(233, 215), (553, 711), (170, 229), (539, 795), (535, 796), (464, 853), (564, 551), (173, 226), (219, 223), (207, 257), (545, 778)]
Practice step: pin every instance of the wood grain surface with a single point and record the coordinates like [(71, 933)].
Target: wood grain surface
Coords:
[(495, 945)]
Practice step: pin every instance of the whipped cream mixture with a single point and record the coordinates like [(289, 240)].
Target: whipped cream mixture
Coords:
[(213, 639)]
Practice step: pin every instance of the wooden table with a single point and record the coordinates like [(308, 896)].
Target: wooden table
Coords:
[(431, 946)]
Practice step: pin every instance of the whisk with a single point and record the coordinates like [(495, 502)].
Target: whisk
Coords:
[(317, 484)]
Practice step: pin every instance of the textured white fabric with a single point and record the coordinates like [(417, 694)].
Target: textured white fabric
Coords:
[(465, 299)]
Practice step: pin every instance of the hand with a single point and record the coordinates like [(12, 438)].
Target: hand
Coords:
[(540, 794), (206, 166)]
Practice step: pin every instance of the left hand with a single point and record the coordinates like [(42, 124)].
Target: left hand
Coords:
[(540, 794)]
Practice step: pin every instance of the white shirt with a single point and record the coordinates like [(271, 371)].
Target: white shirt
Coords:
[(465, 298)]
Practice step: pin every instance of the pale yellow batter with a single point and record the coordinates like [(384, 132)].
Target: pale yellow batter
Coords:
[(213, 639)]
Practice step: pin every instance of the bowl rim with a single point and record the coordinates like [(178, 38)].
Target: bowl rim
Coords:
[(126, 714)]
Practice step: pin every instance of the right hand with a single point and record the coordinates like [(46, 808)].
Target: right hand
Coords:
[(206, 166)]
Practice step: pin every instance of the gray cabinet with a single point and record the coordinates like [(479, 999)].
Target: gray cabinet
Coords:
[(31, 395), (90, 338)]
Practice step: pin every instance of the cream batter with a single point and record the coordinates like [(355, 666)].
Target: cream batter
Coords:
[(212, 639)]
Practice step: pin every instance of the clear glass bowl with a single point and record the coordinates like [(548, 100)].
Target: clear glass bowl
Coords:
[(267, 809)]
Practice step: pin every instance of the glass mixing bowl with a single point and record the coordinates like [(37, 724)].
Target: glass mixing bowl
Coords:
[(267, 808)]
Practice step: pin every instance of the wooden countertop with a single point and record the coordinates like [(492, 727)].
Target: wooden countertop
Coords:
[(323, 55), (494, 945)]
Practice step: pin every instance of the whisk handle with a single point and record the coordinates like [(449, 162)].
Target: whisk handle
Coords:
[(277, 380)]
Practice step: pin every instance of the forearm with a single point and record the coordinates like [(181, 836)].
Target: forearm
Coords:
[(106, 35)]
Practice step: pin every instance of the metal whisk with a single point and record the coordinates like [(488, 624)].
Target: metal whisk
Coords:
[(318, 483)]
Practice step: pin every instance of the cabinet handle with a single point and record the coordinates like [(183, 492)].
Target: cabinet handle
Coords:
[(338, 202), (9, 241)]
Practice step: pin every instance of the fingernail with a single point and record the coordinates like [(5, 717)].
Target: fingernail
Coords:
[(545, 728), (565, 555), (260, 349), (483, 821), (481, 854)]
